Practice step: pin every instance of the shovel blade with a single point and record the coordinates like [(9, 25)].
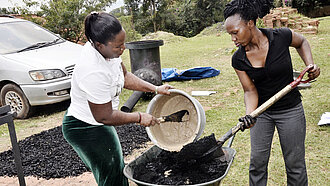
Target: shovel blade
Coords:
[(214, 152), (176, 117)]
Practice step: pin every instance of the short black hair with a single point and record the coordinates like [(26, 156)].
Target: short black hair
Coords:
[(101, 27), (248, 9)]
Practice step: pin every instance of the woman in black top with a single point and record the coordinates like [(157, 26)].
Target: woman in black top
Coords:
[(263, 66)]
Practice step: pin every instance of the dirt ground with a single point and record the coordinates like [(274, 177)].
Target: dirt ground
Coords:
[(84, 179)]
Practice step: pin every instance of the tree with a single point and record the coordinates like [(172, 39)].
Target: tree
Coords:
[(66, 17), (118, 12), (8, 11), (131, 34), (132, 7), (191, 17), (145, 13), (181, 17), (312, 8)]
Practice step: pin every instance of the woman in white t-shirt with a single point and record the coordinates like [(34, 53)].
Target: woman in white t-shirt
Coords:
[(97, 81)]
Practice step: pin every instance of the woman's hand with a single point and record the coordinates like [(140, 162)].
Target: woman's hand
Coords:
[(248, 122), (148, 120), (314, 73), (163, 89)]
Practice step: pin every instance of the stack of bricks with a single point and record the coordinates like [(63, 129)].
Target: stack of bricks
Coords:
[(289, 17)]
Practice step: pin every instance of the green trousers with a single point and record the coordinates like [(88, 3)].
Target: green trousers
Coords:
[(99, 148)]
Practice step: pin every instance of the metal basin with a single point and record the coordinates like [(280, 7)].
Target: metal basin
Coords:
[(154, 151)]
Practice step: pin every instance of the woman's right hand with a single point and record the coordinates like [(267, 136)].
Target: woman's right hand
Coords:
[(163, 89), (148, 120), (314, 73)]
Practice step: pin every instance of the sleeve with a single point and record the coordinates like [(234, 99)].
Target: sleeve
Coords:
[(235, 60), (97, 86), (286, 35)]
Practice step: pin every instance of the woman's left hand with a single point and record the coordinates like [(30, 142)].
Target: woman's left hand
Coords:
[(247, 122), (163, 89), (314, 73)]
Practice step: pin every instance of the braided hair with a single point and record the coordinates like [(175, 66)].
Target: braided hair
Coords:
[(101, 27), (248, 9)]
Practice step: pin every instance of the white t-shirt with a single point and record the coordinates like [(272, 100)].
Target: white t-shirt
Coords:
[(96, 80)]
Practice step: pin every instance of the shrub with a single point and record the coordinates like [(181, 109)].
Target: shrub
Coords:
[(131, 33), (310, 8)]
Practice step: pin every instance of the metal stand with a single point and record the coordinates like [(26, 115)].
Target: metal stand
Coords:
[(7, 117)]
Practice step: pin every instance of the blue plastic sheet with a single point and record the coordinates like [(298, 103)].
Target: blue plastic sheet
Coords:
[(171, 74)]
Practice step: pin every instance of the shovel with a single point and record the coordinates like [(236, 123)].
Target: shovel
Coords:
[(175, 117), (216, 151)]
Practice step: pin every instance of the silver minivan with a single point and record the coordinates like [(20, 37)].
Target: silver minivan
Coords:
[(35, 65)]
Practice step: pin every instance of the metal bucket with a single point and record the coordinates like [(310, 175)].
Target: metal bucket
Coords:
[(154, 151), (173, 136)]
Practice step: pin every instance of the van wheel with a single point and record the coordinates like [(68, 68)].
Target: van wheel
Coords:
[(12, 95)]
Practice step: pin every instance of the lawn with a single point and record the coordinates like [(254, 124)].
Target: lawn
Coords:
[(225, 107)]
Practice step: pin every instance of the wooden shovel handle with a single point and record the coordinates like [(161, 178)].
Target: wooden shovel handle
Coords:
[(281, 93), (268, 103)]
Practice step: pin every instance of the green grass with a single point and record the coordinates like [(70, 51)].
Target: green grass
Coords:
[(225, 107)]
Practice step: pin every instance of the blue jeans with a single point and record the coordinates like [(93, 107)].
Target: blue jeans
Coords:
[(291, 127)]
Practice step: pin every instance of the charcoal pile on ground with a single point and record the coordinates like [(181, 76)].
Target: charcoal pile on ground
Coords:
[(171, 168), (48, 155)]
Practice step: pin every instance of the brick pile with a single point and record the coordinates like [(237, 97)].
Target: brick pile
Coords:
[(289, 17)]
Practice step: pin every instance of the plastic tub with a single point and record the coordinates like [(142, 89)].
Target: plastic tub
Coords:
[(172, 136)]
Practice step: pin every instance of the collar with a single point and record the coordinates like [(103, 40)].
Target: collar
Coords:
[(241, 51), (93, 50), (269, 34)]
